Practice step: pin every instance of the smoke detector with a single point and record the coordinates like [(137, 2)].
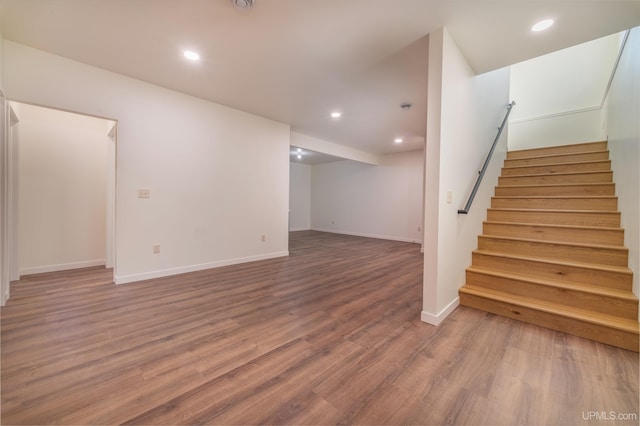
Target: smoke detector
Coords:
[(243, 4)]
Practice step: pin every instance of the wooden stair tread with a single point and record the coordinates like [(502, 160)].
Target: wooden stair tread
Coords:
[(554, 210), (607, 218), (559, 174), (556, 189), (557, 184), (558, 154), (570, 163), (555, 197), (560, 243), (560, 149), (600, 291), (626, 325), (553, 225), (566, 154), (597, 266)]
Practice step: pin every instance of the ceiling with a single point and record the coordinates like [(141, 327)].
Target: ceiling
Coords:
[(295, 61)]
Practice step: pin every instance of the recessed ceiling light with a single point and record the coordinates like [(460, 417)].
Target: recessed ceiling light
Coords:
[(336, 114), (542, 25), (398, 140), (191, 55)]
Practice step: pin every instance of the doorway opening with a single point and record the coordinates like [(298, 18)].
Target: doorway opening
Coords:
[(64, 189)]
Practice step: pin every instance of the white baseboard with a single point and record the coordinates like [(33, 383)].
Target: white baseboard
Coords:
[(359, 234), (437, 319), (61, 267), (299, 229), (125, 279)]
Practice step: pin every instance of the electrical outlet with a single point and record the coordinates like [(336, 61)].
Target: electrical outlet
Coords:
[(144, 193), (156, 248), (449, 197)]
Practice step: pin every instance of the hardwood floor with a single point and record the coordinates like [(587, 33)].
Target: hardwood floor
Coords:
[(329, 335)]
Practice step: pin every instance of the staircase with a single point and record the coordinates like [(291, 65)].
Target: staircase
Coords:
[(552, 250)]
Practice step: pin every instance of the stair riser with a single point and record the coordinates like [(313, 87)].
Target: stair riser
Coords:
[(558, 159), (610, 336), (605, 189), (595, 255), (558, 150), (592, 177), (557, 168), (548, 233), (597, 203), (572, 274), (604, 219), (570, 297)]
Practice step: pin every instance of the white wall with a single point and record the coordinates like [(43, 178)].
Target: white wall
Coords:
[(464, 112), (383, 201), (218, 177), (559, 95), (299, 197), (63, 190), (623, 123)]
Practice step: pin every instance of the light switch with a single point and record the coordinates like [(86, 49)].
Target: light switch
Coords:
[(449, 197)]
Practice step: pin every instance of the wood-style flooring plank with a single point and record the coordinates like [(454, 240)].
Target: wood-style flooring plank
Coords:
[(328, 335)]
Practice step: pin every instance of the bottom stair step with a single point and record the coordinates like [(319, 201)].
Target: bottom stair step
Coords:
[(600, 300), (615, 331)]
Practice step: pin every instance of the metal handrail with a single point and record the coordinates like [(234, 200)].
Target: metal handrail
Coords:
[(486, 162)]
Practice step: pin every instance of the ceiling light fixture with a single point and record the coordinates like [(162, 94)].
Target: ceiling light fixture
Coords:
[(299, 157), (398, 140), (542, 25), (336, 114), (243, 4), (191, 55)]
